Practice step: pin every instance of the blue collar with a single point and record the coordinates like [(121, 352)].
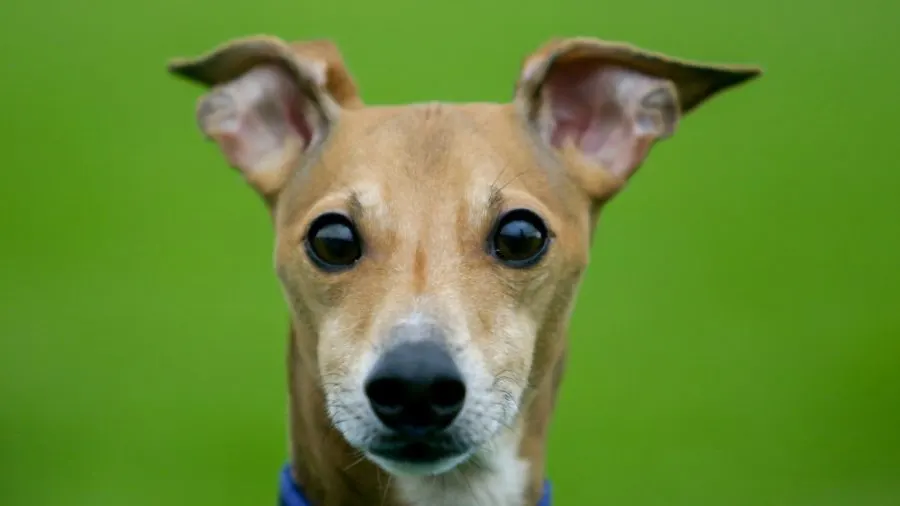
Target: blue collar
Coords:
[(290, 494)]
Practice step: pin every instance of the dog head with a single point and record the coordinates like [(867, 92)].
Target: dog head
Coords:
[(430, 253)]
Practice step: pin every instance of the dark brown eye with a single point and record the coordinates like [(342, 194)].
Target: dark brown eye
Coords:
[(519, 239), (332, 242)]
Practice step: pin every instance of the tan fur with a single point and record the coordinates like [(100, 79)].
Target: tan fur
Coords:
[(424, 183)]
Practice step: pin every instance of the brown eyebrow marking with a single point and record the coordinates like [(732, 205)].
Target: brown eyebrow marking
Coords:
[(495, 199), (354, 206)]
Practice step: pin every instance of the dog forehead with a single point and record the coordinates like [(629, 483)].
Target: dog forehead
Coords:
[(427, 142), (438, 158)]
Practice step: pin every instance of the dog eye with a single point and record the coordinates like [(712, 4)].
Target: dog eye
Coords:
[(332, 242), (519, 239)]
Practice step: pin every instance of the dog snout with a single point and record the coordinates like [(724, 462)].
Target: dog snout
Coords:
[(416, 388)]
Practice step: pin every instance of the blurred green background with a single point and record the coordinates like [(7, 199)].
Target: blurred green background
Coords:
[(737, 341)]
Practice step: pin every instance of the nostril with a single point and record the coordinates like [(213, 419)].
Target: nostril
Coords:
[(415, 388), (446, 396), (387, 396)]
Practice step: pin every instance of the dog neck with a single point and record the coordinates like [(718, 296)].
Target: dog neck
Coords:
[(507, 472)]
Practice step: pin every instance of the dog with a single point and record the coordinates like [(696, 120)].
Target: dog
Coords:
[(429, 254)]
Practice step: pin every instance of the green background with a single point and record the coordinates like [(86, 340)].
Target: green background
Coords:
[(736, 341)]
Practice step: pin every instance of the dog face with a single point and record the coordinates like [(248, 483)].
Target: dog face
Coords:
[(430, 253), (427, 240)]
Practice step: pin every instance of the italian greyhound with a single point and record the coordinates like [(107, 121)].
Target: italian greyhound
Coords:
[(430, 253)]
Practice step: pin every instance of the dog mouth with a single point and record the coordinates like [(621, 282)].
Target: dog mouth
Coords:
[(418, 457), (414, 452)]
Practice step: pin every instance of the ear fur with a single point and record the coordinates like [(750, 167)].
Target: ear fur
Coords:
[(608, 103), (269, 102)]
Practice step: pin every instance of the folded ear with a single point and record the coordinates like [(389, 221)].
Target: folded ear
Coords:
[(269, 102), (608, 103)]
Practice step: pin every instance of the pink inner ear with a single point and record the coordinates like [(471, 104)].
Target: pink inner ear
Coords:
[(294, 107), (582, 106), (259, 118), (599, 108)]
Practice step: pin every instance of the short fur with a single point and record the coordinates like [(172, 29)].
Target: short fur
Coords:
[(425, 183)]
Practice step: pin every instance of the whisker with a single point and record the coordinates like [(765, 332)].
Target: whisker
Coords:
[(499, 175), (468, 483), (386, 488), (517, 176), (361, 458)]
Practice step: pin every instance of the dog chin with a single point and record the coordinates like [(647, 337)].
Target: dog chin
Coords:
[(433, 468)]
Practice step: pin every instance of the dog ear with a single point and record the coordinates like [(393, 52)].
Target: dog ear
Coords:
[(607, 103), (269, 102)]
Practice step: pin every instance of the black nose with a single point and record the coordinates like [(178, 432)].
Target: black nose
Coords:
[(416, 388)]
